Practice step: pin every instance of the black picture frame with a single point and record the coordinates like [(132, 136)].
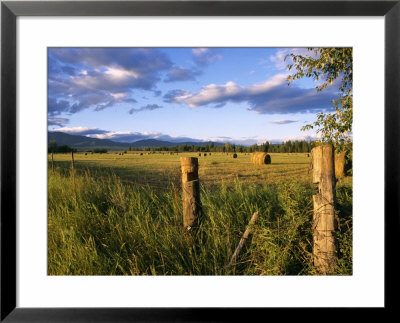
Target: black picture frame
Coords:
[(10, 10)]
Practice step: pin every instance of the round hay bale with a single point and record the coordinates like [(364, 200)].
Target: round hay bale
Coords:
[(259, 158), (234, 155), (199, 154), (141, 154), (205, 154)]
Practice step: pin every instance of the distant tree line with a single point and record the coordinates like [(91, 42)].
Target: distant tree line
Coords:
[(99, 151), (54, 148), (285, 147)]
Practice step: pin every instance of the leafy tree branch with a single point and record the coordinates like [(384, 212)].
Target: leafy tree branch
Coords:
[(328, 66)]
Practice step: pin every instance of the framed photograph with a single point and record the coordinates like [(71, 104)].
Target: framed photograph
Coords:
[(197, 160)]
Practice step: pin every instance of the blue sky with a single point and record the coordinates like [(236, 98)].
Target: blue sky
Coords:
[(238, 95)]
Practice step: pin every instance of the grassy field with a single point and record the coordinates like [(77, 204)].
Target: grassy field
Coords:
[(164, 168), (122, 215)]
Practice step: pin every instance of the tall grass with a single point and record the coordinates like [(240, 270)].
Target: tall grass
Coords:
[(103, 226)]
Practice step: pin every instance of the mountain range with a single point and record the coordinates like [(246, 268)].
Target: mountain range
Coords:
[(87, 143)]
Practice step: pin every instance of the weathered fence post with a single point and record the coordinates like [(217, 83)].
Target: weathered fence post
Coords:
[(324, 223), (243, 240), (72, 160), (340, 162), (190, 192)]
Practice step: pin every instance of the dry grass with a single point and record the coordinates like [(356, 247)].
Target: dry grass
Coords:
[(165, 168)]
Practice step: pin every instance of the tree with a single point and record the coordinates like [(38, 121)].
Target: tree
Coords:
[(265, 147), (52, 146), (228, 147), (327, 65)]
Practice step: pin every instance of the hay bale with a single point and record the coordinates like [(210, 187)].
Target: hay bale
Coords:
[(141, 154), (260, 158), (234, 155), (199, 154), (205, 154)]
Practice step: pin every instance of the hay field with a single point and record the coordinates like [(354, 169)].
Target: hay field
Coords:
[(164, 168)]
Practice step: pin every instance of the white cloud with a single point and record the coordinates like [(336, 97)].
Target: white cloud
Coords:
[(278, 59), (57, 121), (230, 90), (83, 78), (269, 97), (120, 73), (301, 137), (205, 56), (110, 135), (74, 130), (284, 121)]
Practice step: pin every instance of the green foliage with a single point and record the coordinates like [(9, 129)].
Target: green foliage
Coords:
[(327, 65), (344, 236)]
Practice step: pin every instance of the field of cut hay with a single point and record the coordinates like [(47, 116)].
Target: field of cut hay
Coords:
[(164, 168)]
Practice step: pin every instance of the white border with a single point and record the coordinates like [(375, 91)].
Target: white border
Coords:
[(364, 288)]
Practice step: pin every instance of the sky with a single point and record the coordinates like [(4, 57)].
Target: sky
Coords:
[(237, 95)]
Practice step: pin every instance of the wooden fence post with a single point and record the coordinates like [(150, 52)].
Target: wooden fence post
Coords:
[(340, 162), (190, 192), (243, 240), (324, 223), (72, 160)]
